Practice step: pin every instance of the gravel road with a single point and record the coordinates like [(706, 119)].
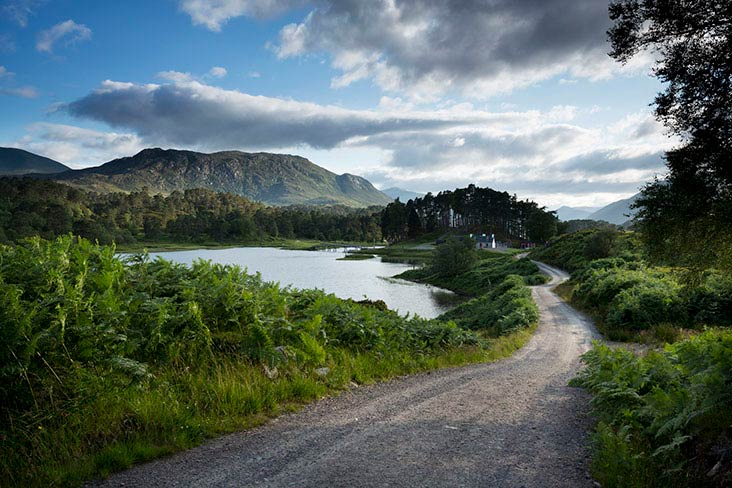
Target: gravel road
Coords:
[(513, 423)]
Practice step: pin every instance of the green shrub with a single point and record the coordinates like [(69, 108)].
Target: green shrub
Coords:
[(711, 301), (600, 287), (454, 257), (575, 251), (506, 308), (653, 301)]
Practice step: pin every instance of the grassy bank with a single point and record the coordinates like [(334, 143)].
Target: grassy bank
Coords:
[(489, 271), (106, 363), (499, 301)]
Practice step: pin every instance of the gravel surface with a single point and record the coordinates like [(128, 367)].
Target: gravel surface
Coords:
[(512, 423)]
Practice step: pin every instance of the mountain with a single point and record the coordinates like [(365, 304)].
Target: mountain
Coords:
[(403, 195), (566, 213), (617, 212), (19, 162), (275, 179)]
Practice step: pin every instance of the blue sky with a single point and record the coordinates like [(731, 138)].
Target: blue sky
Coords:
[(422, 94)]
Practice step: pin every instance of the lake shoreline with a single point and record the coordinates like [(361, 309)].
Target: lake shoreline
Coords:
[(372, 279), (288, 244)]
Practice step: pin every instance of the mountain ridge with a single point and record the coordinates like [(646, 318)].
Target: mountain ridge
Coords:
[(402, 194), (566, 212), (618, 212), (275, 179)]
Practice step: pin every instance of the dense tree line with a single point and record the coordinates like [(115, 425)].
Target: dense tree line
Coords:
[(30, 207), (471, 209)]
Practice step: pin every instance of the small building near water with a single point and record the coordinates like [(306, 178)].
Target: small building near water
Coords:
[(484, 241)]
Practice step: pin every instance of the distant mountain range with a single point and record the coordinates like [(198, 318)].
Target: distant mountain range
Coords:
[(574, 213), (274, 179), (19, 162), (403, 195), (617, 213)]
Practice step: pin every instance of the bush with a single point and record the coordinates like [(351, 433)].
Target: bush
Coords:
[(599, 244), (648, 303), (600, 287), (491, 269), (506, 308), (711, 301), (577, 250), (454, 256)]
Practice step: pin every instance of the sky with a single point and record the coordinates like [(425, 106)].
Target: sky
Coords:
[(426, 95)]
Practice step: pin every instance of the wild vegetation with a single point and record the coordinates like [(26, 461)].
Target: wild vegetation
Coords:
[(482, 271), (629, 297), (505, 308), (105, 363)]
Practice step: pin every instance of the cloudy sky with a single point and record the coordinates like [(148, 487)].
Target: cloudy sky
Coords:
[(427, 95)]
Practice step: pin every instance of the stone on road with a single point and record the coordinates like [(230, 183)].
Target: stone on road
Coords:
[(511, 423)]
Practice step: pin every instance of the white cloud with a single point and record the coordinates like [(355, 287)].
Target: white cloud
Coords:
[(21, 10), (254, 74), (21, 92), (76, 146), (213, 14), (218, 72), (427, 48), (175, 76), (15, 91), (69, 32)]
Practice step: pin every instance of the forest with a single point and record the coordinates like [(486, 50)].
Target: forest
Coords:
[(30, 207), (470, 209)]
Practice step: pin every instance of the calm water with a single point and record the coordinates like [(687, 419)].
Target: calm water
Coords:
[(321, 269)]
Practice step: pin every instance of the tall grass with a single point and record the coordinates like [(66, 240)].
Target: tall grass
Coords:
[(105, 363)]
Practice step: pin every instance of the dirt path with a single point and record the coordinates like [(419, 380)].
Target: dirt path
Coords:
[(508, 424)]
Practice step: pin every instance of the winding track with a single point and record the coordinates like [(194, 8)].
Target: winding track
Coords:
[(511, 423)]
